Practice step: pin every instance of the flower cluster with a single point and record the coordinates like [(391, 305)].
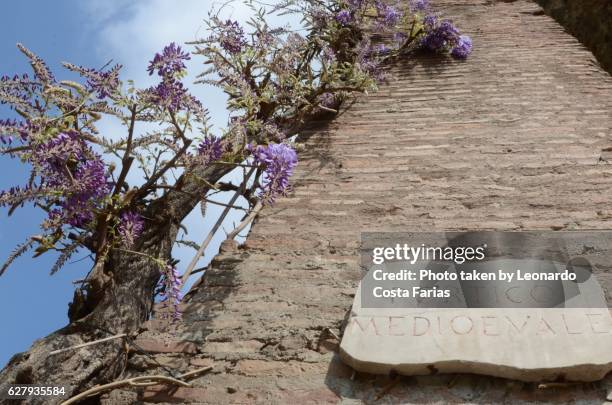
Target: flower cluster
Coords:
[(442, 35), (169, 62), (103, 83), (72, 176), (417, 6), (231, 36), (344, 17), (463, 47), (40, 68), (11, 128), (327, 100), (170, 92), (210, 149), (369, 59), (72, 181), (388, 15), (170, 286), (279, 160), (78, 204), (130, 228), (17, 92)]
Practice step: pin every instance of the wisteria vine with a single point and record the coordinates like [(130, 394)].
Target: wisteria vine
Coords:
[(276, 79)]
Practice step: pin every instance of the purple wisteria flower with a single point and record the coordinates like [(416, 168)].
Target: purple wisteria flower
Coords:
[(463, 48), (279, 160), (9, 129), (231, 37), (17, 92), (390, 15), (16, 78), (103, 83), (327, 100), (169, 62), (130, 228), (440, 36), (210, 149), (170, 285), (430, 21), (418, 5), (92, 188), (53, 156), (319, 16), (170, 92), (369, 61), (40, 68), (71, 177), (344, 17)]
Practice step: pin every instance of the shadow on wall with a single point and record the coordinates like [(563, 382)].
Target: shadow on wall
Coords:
[(454, 388), (588, 20), (207, 296)]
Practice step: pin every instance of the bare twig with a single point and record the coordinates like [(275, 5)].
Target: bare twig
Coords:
[(327, 108), (236, 207), (246, 221), (127, 160), (87, 344), (219, 162), (214, 230), (142, 191), (209, 237), (193, 373), (15, 149), (143, 381), (332, 334)]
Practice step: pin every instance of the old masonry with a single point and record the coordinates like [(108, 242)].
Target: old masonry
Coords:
[(510, 139)]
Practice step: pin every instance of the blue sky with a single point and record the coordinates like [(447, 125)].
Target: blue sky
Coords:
[(88, 33)]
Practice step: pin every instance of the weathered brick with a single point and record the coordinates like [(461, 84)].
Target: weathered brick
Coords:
[(249, 346), (165, 346)]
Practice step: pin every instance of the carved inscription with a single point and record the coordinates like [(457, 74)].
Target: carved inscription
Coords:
[(536, 324)]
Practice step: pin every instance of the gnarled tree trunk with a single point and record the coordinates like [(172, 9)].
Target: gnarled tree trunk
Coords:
[(117, 300)]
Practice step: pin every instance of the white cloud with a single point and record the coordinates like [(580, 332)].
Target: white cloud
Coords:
[(100, 11), (131, 33)]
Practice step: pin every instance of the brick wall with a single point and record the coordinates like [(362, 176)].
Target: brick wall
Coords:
[(510, 139)]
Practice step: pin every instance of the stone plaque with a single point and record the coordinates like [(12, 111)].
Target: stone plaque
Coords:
[(527, 330), (541, 344)]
